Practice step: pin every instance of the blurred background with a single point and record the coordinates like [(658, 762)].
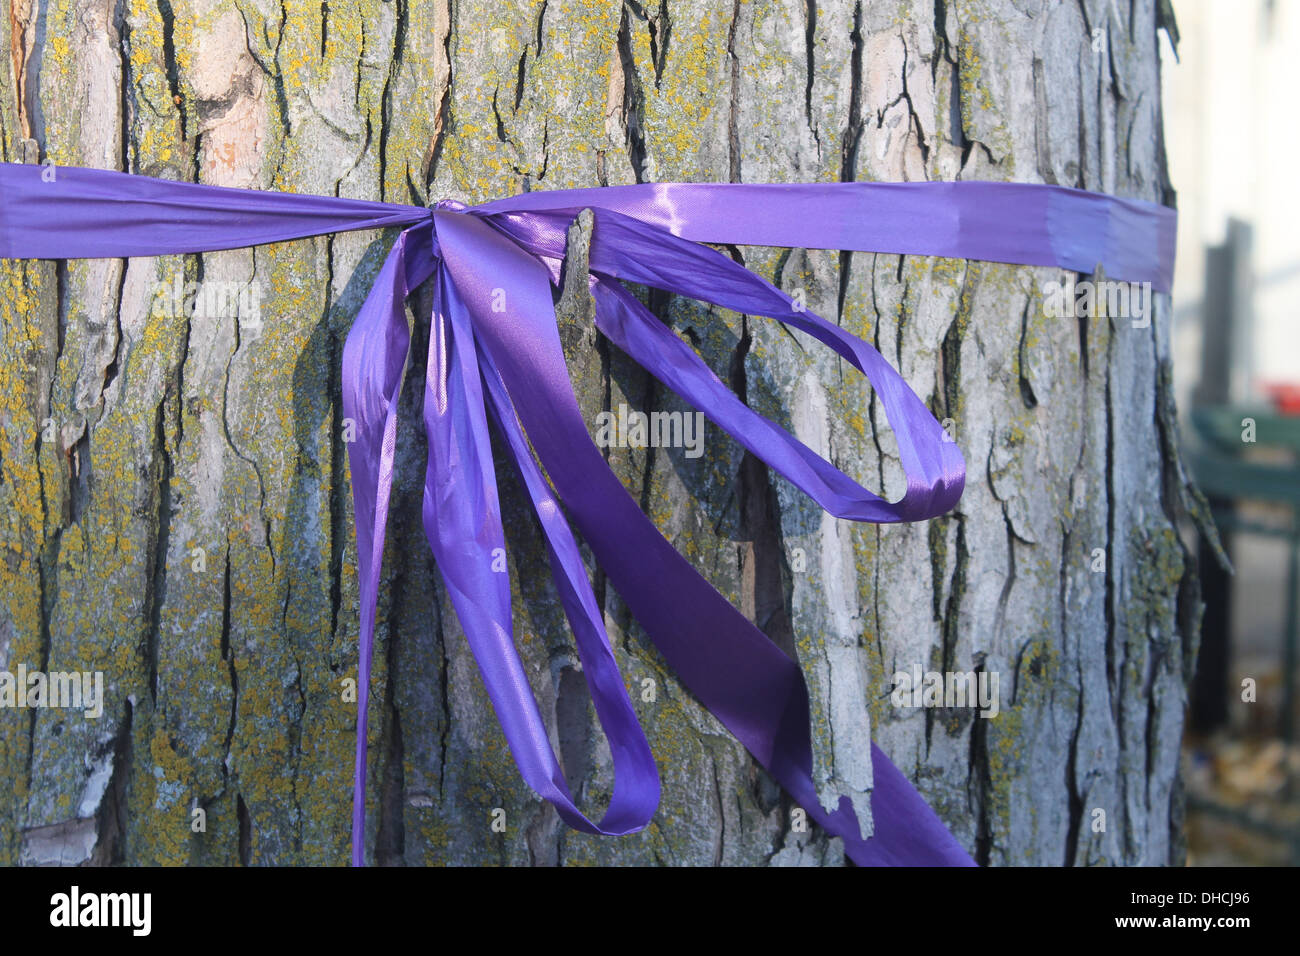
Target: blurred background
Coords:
[(1229, 89)]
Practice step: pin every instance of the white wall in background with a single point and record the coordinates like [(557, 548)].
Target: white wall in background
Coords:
[(1231, 114)]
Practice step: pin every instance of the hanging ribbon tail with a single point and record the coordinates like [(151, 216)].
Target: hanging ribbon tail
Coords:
[(748, 683), (907, 832), (463, 523), (636, 778), (374, 358)]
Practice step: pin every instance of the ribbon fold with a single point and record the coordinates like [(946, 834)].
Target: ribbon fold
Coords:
[(510, 363)]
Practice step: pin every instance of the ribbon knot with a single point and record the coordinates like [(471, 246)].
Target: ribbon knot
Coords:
[(494, 347)]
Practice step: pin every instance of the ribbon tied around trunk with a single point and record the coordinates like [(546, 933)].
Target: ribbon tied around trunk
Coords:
[(495, 350)]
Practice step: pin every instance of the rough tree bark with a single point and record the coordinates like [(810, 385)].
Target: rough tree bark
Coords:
[(130, 441)]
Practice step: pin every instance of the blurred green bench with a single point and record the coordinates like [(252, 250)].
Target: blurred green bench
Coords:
[(1226, 471)]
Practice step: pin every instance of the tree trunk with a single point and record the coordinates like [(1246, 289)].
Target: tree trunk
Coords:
[(177, 508)]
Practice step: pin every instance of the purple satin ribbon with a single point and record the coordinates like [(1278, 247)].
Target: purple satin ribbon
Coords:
[(512, 363)]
